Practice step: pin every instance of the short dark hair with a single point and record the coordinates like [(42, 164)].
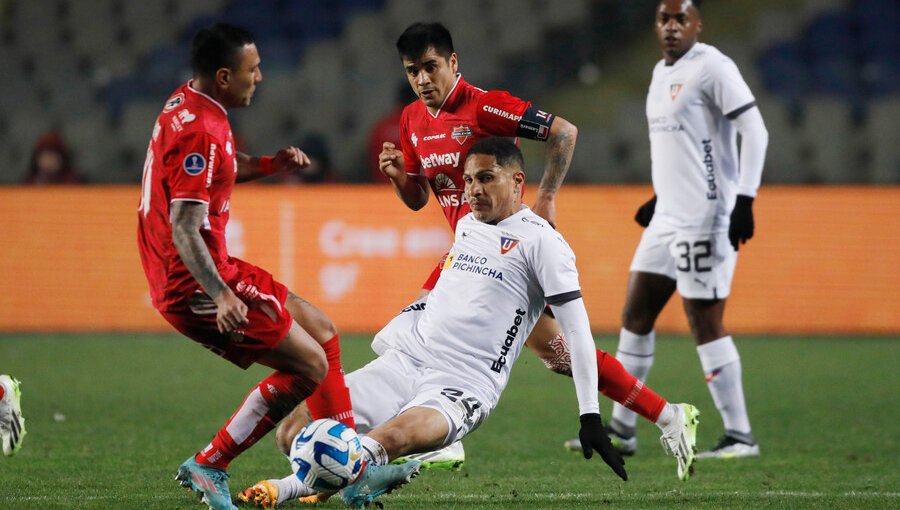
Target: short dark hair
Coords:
[(218, 46), (504, 151), (695, 3), (418, 37)]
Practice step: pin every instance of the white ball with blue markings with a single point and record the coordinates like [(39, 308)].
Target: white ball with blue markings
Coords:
[(327, 455)]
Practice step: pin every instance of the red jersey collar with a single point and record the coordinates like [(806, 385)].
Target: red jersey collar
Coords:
[(213, 101), (459, 80)]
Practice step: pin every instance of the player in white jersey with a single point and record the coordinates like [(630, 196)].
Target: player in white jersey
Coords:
[(697, 104), (444, 362)]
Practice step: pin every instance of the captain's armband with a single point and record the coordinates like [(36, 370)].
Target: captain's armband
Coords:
[(535, 124)]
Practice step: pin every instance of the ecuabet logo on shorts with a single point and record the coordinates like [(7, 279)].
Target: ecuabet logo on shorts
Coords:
[(194, 163)]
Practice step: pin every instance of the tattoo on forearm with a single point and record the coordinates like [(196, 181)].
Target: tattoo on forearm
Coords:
[(192, 249), (559, 156)]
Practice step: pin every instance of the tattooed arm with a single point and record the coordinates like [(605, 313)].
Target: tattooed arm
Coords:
[(560, 145), (187, 218)]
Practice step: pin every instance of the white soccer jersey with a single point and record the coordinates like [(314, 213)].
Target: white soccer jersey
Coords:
[(496, 282), (693, 145)]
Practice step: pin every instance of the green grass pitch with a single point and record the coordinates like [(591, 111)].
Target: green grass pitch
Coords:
[(110, 417)]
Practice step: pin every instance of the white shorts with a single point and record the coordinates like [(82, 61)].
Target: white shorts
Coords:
[(701, 264), (393, 383)]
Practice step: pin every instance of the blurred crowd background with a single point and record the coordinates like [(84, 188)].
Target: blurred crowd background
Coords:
[(85, 79)]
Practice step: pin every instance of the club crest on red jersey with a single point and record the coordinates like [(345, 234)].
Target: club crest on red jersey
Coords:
[(506, 244), (674, 89), (461, 133)]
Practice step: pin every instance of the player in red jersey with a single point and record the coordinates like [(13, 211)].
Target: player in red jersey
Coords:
[(436, 133), (233, 308)]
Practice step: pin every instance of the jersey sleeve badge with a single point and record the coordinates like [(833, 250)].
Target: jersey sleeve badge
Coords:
[(193, 164)]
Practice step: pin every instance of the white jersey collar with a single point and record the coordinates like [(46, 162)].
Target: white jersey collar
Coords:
[(687, 56)]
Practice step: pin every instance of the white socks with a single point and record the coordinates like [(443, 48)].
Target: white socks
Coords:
[(666, 416), (635, 352), (722, 365), (374, 452), (290, 487)]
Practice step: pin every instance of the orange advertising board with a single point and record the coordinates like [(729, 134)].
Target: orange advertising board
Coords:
[(825, 259)]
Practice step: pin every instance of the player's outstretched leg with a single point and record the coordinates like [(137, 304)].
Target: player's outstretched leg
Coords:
[(377, 480), (452, 457), (679, 438), (12, 424), (210, 482)]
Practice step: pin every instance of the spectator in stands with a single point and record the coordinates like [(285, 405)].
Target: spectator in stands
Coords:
[(51, 162), (387, 129)]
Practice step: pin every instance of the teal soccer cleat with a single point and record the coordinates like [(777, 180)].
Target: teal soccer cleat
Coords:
[(210, 482), (378, 480)]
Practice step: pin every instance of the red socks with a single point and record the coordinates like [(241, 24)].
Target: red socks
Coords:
[(269, 402), (332, 398), (619, 385)]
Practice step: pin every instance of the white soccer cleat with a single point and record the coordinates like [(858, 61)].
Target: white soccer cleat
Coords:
[(731, 448), (452, 457), (680, 438), (12, 424)]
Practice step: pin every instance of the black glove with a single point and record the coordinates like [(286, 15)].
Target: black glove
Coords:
[(645, 212), (594, 437), (741, 228)]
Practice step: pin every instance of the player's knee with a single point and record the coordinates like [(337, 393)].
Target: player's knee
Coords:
[(637, 321), (317, 367), (311, 365)]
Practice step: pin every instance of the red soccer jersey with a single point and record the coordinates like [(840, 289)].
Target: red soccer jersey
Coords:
[(191, 157), (436, 145)]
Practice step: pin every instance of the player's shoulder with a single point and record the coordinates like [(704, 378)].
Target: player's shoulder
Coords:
[(528, 224), (712, 59)]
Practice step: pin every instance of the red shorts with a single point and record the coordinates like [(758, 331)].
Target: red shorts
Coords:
[(433, 277), (269, 320)]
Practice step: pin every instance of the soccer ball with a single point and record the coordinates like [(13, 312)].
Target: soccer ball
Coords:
[(327, 455)]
